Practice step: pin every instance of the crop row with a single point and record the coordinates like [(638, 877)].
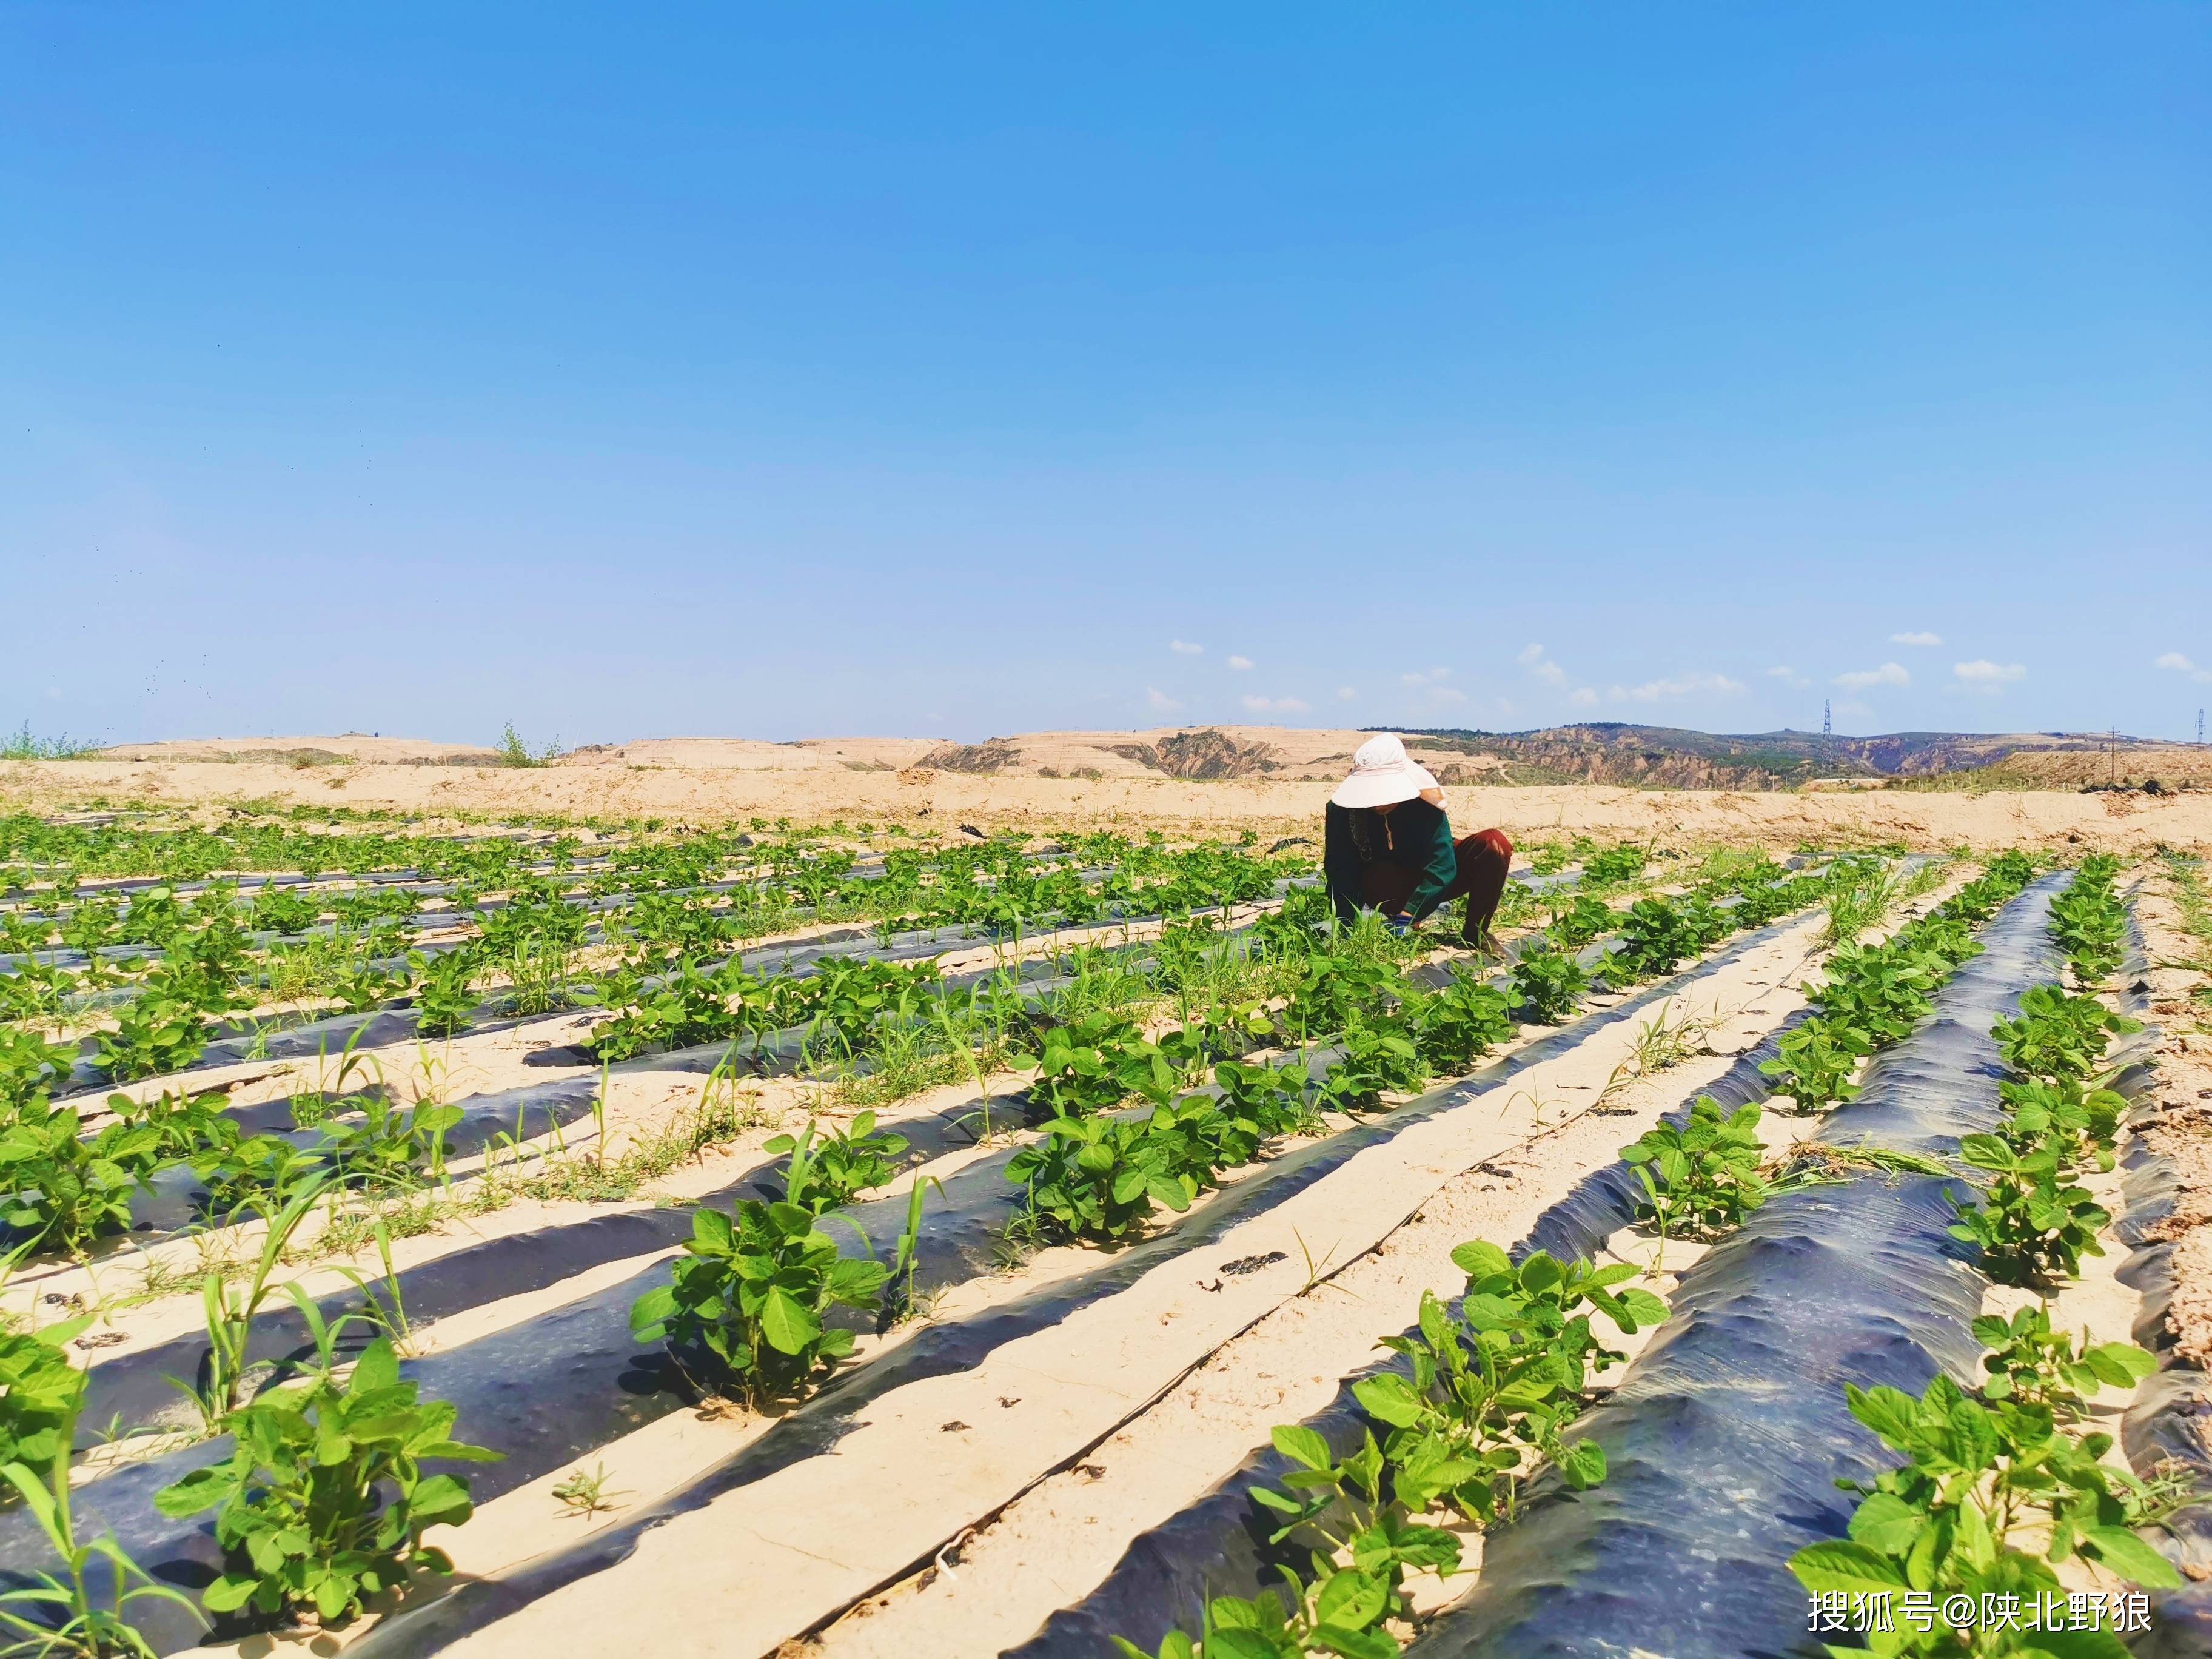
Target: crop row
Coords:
[(1476, 1407), (2001, 1484)]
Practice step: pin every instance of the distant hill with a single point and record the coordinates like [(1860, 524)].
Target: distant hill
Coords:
[(1609, 751), (1600, 752)]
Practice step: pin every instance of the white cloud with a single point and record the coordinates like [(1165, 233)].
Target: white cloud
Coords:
[(1790, 678), (1585, 697), (1275, 705), (1680, 685), (1348, 692), (1986, 676), (1443, 696), (1159, 702), (1889, 674), (1921, 638), (1240, 663), (1184, 648), (54, 694), (1534, 660), (1851, 709), (2173, 659), (1432, 677)]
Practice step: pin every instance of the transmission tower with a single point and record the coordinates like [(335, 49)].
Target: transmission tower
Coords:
[(1828, 729), (2200, 726)]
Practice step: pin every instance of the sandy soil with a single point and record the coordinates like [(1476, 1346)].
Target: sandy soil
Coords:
[(2182, 1131), (1271, 805), (348, 746)]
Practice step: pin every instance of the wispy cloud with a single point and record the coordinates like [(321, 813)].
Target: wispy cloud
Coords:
[(1986, 676), (1677, 686), (1158, 701), (1276, 705), (1348, 692), (1790, 678), (2176, 663), (1429, 677), (1890, 673), (1583, 697), (1185, 647), (1534, 660), (1240, 663), (1922, 638)]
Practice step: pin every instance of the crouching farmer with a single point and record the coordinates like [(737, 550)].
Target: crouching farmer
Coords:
[(1388, 846)]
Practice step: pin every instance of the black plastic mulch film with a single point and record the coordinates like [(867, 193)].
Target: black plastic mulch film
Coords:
[(1724, 1438), (2168, 1427)]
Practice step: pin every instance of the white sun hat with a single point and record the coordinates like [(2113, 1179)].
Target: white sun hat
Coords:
[(1382, 774)]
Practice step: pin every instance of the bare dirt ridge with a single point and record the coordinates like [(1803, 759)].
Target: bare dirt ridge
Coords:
[(879, 780)]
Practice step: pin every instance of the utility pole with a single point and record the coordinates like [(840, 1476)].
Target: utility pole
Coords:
[(2113, 756)]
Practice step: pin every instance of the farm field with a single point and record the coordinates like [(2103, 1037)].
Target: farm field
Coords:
[(1033, 1226)]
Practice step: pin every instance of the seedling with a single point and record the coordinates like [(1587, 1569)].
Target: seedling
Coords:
[(582, 1496), (85, 1627)]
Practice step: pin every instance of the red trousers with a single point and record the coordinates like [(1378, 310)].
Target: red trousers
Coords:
[(1484, 859)]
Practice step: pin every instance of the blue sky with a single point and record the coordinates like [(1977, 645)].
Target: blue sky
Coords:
[(794, 371)]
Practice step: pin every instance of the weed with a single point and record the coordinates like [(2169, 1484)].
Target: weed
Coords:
[(582, 1496)]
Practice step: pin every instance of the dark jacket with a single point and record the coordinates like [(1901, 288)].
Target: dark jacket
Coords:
[(1414, 834)]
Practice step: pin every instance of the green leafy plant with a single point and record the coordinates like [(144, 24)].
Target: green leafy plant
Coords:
[(824, 1174), (1816, 1060), (1700, 1176), (1655, 938), (1093, 1063), (2032, 1224), (444, 1003), (1373, 1060), (2058, 1036), (1500, 1379), (387, 1149), (231, 1306), (1614, 863), (1548, 985), (259, 1174), (64, 1615), (40, 1395), (1098, 1177), (1457, 1025), (746, 1304), (1979, 1476), (1578, 921), (323, 1501), (2031, 1362), (156, 1033), (2089, 922), (64, 1190)]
